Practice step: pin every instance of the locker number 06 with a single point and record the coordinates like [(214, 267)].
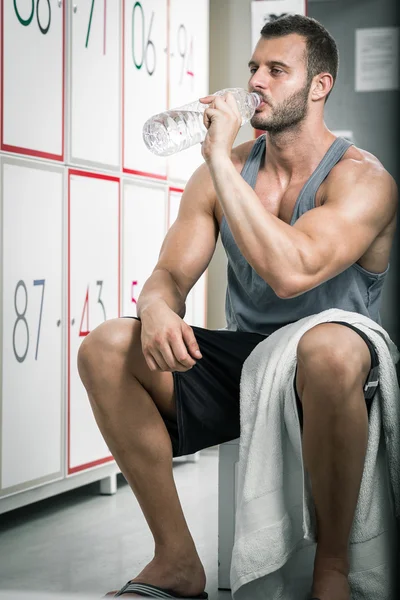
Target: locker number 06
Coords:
[(145, 46)]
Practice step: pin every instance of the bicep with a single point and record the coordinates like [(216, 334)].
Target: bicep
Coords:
[(340, 232)]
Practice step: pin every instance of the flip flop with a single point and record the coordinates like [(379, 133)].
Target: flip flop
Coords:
[(152, 591)]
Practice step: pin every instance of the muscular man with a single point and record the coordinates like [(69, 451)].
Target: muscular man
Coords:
[(307, 221)]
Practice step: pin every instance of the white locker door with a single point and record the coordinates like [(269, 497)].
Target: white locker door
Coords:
[(144, 230), (95, 82), (145, 81), (33, 78), (93, 285), (31, 427), (188, 72)]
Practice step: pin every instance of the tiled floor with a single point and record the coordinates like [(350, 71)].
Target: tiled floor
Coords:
[(85, 544)]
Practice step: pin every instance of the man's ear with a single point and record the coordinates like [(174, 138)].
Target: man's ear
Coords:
[(321, 86)]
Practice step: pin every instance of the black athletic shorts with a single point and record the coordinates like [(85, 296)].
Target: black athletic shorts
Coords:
[(207, 396)]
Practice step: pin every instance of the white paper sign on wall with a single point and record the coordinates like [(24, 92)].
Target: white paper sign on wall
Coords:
[(377, 59), (264, 11)]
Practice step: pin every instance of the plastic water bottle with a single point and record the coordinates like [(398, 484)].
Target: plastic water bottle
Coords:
[(177, 129)]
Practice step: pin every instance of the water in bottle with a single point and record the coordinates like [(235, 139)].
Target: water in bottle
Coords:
[(175, 130)]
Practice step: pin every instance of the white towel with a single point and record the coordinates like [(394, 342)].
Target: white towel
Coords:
[(275, 532)]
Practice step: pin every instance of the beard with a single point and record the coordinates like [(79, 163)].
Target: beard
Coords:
[(285, 115)]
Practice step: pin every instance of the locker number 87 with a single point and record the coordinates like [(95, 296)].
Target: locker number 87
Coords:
[(21, 319)]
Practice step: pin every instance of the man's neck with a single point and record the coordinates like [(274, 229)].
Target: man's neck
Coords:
[(293, 155)]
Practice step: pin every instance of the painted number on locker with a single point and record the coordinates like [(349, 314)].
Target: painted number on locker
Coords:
[(95, 98), (189, 55), (144, 232), (93, 296), (145, 81), (31, 322), (33, 78)]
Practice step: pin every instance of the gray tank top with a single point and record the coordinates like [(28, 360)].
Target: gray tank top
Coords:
[(252, 305)]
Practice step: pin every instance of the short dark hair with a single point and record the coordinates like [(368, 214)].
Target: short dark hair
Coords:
[(322, 51)]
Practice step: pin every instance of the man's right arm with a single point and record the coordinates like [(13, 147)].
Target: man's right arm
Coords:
[(187, 248), (161, 287)]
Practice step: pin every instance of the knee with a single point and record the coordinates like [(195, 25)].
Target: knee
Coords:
[(106, 346), (327, 356)]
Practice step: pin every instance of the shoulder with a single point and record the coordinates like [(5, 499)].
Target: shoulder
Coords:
[(358, 167), (362, 174)]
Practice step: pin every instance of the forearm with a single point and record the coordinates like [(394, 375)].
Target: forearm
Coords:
[(275, 250), (161, 287)]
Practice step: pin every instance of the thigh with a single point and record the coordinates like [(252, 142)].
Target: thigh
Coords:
[(159, 385), (207, 396)]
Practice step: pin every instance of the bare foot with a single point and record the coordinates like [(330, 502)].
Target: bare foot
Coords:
[(182, 576)]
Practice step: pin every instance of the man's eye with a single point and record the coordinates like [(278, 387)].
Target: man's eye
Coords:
[(253, 70), (274, 70)]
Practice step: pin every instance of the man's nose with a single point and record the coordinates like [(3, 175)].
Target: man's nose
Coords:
[(258, 83)]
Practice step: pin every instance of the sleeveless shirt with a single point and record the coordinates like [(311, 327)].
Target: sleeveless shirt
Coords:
[(252, 305)]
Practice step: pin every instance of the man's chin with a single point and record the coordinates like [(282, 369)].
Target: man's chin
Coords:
[(259, 125)]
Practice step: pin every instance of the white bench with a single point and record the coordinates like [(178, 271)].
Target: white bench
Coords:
[(227, 478), (227, 499)]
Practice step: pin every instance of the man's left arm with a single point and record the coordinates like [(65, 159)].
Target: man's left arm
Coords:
[(360, 201)]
